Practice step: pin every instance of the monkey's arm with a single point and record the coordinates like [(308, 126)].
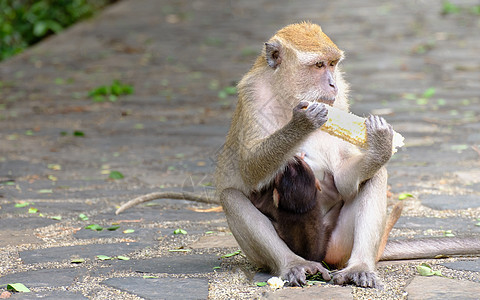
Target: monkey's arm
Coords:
[(357, 169), (166, 195), (260, 159)]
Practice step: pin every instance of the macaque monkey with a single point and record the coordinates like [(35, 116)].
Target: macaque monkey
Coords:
[(281, 106), (302, 209)]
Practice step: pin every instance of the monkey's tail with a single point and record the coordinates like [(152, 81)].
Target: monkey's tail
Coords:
[(392, 219), (431, 247), (166, 195)]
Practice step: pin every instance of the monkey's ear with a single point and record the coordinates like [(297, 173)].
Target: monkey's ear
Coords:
[(276, 198), (272, 54)]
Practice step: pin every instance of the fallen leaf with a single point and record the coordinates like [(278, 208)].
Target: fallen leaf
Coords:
[(18, 287), (104, 257)]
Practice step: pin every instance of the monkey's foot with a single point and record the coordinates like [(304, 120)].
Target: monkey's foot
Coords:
[(358, 278), (296, 275)]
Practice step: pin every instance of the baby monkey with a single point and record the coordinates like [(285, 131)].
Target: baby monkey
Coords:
[(303, 217)]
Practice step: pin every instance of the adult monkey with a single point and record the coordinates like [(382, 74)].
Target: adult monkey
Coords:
[(278, 111), (297, 70)]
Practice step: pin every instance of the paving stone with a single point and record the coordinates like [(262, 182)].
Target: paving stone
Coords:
[(464, 265), (178, 264), (435, 287), (140, 234), (457, 225), (162, 288), (17, 237), (155, 214), (43, 278), (53, 295), (314, 292), (58, 254), (25, 223), (53, 207), (442, 202), (215, 241)]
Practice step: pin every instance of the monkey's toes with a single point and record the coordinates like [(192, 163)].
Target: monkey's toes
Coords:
[(296, 276), (358, 278)]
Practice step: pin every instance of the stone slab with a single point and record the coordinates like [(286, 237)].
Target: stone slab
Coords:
[(51, 295), (457, 225), (435, 287), (464, 265), (313, 292), (154, 214), (58, 254), (442, 202), (162, 288), (17, 237), (215, 241), (43, 278), (140, 234), (25, 223), (178, 264)]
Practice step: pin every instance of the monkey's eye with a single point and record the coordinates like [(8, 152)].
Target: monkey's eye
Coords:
[(319, 64), (333, 63)]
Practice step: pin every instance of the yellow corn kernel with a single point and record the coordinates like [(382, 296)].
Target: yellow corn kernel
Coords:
[(351, 128)]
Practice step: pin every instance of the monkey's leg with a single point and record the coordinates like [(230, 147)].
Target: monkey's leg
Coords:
[(363, 221), (260, 242)]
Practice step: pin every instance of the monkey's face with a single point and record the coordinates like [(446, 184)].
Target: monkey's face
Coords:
[(317, 80)]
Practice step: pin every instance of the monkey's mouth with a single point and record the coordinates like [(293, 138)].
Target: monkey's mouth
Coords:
[(328, 101)]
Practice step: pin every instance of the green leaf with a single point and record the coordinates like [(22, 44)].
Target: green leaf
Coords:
[(23, 204), (261, 283), (77, 261), (217, 267), (32, 210), (429, 93), (149, 277), (45, 191), (425, 270), (179, 231), (478, 224), (232, 254), (40, 28), (448, 233), (104, 257), (404, 196), (58, 218), (129, 231), (78, 133), (123, 257), (115, 175), (18, 287), (94, 227), (113, 228), (55, 167), (83, 217), (208, 232)]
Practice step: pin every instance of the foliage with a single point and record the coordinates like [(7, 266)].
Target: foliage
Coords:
[(25, 22), (101, 93)]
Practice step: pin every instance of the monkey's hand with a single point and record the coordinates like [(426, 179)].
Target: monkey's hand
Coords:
[(296, 275), (310, 115), (379, 139)]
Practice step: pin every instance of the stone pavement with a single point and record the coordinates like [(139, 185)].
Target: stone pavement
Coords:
[(406, 60)]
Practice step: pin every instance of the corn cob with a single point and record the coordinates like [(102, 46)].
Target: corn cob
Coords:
[(351, 128)]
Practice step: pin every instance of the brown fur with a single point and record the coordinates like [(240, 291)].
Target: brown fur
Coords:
[(298, 216)]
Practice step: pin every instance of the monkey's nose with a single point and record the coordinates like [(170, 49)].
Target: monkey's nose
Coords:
[(334, 87)]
